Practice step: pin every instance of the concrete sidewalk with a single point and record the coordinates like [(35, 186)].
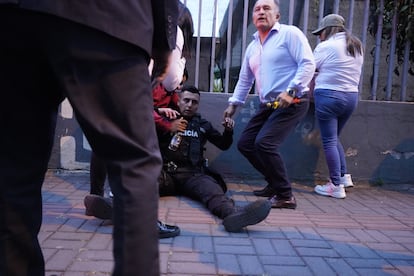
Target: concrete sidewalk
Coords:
[(371, 232)]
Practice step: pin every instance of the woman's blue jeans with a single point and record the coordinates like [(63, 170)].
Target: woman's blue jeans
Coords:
[(333, 109)]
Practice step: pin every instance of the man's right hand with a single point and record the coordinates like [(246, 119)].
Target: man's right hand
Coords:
[(179, 125)]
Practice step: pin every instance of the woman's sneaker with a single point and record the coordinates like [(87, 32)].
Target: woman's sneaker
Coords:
[(330, 189), (346, 180)]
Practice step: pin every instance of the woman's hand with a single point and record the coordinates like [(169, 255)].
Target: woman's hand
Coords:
[(168, 112)]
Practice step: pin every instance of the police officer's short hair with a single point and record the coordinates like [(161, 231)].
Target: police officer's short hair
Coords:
[(191, 89)]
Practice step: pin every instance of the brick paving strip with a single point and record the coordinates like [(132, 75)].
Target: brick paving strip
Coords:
[(371, 232)]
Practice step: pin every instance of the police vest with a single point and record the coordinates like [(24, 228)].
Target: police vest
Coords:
[(190, 150)]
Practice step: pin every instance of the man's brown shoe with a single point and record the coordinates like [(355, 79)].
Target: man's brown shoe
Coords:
[(98, 206), (265, 192), (288, 203)]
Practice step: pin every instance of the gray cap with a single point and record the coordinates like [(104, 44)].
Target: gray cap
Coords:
[(331, 20)]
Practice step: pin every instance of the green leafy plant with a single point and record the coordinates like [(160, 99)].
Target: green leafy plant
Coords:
[(405, 27)]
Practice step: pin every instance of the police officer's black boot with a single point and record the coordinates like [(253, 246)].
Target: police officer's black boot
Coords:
[(250, 214)]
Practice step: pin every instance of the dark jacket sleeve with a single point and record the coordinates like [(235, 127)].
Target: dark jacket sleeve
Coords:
[(149, 24), (165, 14), (221, 140)]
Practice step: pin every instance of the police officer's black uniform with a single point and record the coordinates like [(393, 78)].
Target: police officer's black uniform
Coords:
[(185, 171)]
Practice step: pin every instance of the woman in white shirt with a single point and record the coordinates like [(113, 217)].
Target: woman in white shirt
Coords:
[(338, 59)]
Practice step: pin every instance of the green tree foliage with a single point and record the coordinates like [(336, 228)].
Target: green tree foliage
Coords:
[(405, 26)]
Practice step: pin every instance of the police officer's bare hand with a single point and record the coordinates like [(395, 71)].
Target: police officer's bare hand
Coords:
[(179, 125), (228, 123), (284, 100), (168, 112)]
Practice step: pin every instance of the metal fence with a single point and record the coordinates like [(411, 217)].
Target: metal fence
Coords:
[(386, 75)]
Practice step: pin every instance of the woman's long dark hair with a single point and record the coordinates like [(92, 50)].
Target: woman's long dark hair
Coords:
[(353, 44), (185, 22)]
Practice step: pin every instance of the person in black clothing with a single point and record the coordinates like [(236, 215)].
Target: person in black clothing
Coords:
[(97, 205), (95, 53), (184, 166), (184, 171), (173, 78)]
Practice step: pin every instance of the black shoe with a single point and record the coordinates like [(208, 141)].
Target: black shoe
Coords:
[(288, 203), (98, 206), (250, 214), (265, 192), (167, 231)]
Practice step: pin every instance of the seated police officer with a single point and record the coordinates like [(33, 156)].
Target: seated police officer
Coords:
[(184, 171)]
